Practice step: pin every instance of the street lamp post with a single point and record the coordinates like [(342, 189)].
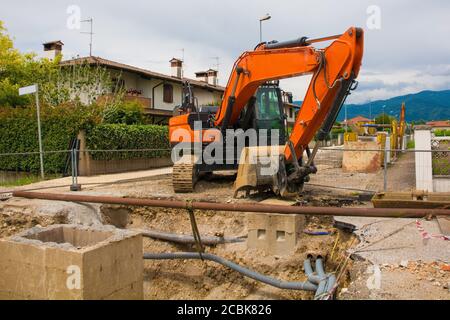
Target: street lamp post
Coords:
[(29, 90), (266, 17), (346, 127)]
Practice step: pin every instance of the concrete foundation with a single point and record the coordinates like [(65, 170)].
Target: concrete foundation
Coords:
[(276, 234), (72, 262)]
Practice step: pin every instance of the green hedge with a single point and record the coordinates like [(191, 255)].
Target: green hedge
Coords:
[(19, 134), (442, 133), (128, 137)]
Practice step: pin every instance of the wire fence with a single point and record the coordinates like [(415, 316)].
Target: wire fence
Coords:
[(371, 170), (441, 156)]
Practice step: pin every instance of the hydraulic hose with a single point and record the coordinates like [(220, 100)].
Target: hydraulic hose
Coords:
[(187, 239), (307, 286)]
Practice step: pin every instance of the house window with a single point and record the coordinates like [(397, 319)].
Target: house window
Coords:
[(168, 93), (290, 113)]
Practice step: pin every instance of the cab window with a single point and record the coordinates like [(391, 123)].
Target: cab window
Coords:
[(267, 104)]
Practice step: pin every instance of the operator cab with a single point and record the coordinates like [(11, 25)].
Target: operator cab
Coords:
[(265, 111)]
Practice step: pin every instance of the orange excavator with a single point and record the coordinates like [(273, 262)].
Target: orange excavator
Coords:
[(204, 141)]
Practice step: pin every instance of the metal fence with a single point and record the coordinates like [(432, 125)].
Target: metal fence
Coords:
[(338, 168), (441, 156)]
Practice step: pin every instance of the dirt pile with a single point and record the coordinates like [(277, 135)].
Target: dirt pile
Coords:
[(13, 223), (194, 279)]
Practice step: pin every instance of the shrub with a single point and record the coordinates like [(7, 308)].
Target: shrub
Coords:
[(339, 130), (128, 137), (19, 134), (129, 112), (442, 133)]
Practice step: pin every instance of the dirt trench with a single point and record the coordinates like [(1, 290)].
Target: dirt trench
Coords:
[(195, 279)]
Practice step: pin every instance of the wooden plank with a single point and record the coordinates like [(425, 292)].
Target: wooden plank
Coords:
[(279, 202), (411, 200)]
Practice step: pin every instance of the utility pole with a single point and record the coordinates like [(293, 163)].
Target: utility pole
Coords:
[(346, 126), (90, 33)]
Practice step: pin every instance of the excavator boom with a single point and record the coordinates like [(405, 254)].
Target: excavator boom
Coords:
[(333, 69)]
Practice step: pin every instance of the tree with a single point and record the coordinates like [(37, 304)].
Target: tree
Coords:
[(383, 119), (18, 69), (80, 83)]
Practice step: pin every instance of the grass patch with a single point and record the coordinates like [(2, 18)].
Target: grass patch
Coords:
[(25, 180)]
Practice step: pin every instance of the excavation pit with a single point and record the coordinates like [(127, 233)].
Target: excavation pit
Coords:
[(76, 237), (72, 262)]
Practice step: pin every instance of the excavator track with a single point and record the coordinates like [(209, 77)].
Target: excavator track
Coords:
[(184, 175)]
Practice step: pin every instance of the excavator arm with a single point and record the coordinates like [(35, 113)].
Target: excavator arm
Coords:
[(333, 70)]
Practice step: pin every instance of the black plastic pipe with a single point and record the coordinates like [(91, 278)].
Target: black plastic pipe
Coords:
[(307, 286)]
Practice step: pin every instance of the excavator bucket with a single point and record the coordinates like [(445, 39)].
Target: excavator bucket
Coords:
[(258, 168)]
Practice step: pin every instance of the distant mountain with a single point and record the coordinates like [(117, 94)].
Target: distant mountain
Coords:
[(425, 105)]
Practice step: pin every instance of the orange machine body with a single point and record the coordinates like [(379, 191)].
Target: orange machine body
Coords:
[(339, 61)]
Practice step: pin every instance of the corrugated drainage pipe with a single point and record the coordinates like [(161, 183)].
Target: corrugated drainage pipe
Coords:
[(307, 286)]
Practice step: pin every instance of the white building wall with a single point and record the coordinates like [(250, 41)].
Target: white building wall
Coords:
[(424, 170), (206, 97), (130, 80), (134, 81), (441, 184)]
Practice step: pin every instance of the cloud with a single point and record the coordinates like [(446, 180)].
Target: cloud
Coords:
[(409, 53)]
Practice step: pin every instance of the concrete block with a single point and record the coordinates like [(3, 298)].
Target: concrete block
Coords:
[(72, 262), (363, 161), (276, 234)]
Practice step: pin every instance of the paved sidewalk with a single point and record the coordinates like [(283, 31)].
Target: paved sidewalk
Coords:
[(63, 183)]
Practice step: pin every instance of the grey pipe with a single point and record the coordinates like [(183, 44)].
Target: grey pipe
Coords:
[(188, 239), (324, 279), (310, 273), (330, 284), (307, 286)]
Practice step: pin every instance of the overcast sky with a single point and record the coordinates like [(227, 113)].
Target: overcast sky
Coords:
[(409, 53)]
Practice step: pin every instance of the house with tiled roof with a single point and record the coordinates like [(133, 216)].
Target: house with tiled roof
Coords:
[(158, 93), (356, 120), (439, 125)]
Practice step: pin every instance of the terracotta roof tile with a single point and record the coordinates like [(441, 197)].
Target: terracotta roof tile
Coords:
[(122, 66)]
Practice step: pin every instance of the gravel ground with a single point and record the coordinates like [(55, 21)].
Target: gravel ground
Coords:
[(384, 243)]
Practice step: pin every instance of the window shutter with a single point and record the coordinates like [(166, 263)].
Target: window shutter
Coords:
[(168, 93)]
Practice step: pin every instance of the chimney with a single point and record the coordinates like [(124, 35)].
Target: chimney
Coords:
[(52, 49), (177, 67), (212, 77), (202, 76)]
